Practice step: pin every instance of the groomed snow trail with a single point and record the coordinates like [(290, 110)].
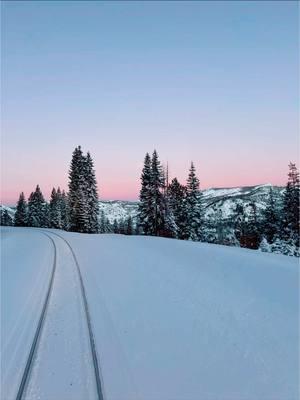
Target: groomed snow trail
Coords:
[(63, 364)]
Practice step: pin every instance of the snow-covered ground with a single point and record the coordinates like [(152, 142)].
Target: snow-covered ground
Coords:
[(171, 319)]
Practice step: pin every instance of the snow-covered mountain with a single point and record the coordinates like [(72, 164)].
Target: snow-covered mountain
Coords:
[(119, 209), (219, 202), (11, 210)]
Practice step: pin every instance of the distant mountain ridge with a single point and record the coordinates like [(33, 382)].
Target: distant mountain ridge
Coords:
[(216, 201)]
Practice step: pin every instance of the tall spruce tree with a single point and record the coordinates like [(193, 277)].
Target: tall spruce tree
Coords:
[(54, 210), (291, 210), (145, 197), (20, 218), (92, 195), (177, 196), (37, 209), (157, 210), (78, 206), (169, 226), (194, 208)]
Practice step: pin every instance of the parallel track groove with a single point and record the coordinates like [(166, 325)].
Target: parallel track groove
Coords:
[(98, 379), (38, 331)]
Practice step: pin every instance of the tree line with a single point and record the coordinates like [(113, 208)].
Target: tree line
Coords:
[(75, 211), (176, 210), (167, 209)]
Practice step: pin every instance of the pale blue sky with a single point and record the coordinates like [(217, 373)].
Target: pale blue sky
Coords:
[(214, 82)]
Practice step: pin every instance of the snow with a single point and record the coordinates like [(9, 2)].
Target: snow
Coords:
[(64, 338), (26, 264), (182, 320)]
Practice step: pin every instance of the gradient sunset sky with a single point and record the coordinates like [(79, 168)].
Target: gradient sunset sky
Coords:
[(213, 82)]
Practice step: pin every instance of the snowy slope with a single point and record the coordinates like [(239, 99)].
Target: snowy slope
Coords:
[(182, 320)]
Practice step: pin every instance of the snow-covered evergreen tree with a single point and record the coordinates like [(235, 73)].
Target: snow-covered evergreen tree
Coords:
[(64, 207), (115, 228), (80, 219), (20, 218), (78, 206), (270, 218), (158, 208), (194, 208), (288, 247), (55, 209), (5, 218), (91, 194), (122, 227), (251, 233), (37, 209), (129, 226), (145, 197), (177, 195), (265, 246), (291, 209), (102, 222), (276, 246), (239, 223)]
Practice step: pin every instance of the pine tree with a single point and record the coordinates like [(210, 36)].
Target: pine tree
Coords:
[(115, 226), (252, 235), (194, 208), (169, 226), (177, 196), (157, 211), (5, 218), (291, 209), (55, 209), (145, 198), (129, 226), (78, 206), (122, 228), (102, 223), (64, 208), (79, 216), (37, 209), (20, 218), (239, 223), (265, 246), (109, 227), (288, 247), (276, 246), (46, 216), (92, 195), (270, 219)]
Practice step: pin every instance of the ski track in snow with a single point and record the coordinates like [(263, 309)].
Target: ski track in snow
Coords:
[(171, 319), (63, 368)]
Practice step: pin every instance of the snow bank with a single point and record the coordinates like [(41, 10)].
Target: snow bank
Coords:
[(182, 320)]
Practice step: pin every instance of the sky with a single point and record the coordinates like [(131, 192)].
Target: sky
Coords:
[(213, 82)]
